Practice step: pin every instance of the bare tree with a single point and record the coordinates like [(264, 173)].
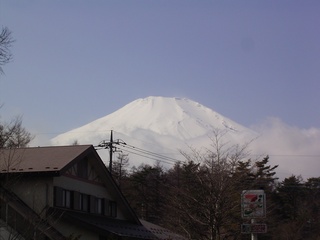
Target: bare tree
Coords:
[(14, 135), (204, 192), (6, 41)]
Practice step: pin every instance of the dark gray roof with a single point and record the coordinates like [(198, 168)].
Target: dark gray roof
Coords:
[(122, 228), (40, 159), (160, 232)]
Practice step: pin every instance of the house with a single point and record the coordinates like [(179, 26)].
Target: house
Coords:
[(65, 192)]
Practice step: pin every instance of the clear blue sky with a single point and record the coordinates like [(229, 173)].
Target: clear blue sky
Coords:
[(76, 61)]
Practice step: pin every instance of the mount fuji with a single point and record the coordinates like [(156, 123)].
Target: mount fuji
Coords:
[(157, 129)]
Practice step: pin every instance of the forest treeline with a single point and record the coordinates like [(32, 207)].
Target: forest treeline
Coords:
[(200, 198)]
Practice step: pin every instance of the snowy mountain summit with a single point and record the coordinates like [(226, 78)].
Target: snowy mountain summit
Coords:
[(157, 125)]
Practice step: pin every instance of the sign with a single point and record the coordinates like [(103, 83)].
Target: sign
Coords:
[(253, 204), (253, 228)]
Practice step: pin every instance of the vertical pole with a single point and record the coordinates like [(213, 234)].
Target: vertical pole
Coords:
[(110, 152), (254, 236), (120, 175)]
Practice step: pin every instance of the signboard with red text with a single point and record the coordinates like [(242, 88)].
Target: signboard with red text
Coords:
[(253, 204)]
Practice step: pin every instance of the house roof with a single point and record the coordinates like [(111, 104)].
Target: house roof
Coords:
[(54, 161), (122, 228), (40, 159)]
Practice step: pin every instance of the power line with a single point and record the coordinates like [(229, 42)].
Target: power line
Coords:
[(149, 157), (292, 155), (157, 155), (162, 158), (121, 145)]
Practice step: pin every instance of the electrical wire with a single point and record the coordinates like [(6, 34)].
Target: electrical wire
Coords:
[(123, 147), (168, 160), (146, 152), (152, 156), (149, 157)]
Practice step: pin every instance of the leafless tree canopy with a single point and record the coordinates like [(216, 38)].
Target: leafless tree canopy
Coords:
[(6, 41), (13, 134), (200, 198)]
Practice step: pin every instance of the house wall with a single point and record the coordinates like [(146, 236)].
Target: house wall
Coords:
[(37, 193), (82, 186)]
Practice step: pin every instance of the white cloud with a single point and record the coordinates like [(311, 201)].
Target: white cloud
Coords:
[(295, 150), (40, 140)]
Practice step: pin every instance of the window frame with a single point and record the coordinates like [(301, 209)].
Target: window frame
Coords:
[(63, 198), (78, 201)]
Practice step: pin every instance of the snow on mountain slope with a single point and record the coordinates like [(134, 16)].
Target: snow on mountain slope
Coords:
[(160, 125)]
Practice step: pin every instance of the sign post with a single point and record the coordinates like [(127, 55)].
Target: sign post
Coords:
[(253, 228), (253, 206)]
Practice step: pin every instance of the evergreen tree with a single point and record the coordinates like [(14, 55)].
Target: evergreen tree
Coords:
[(144, 189), (263, 176), (119, 168), (313, 205)]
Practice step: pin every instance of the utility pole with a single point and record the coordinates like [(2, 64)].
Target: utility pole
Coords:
[(111, 151), (110, 145)]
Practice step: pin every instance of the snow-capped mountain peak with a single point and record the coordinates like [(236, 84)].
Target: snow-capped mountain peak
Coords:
[(157, 124)]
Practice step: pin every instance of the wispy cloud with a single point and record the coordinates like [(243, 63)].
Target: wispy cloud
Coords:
[(295, 150)]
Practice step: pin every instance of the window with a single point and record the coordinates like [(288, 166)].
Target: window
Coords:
[(84, 202), (63, 198), (76, 201), (113, 209), (67, 198), (99, 205)]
